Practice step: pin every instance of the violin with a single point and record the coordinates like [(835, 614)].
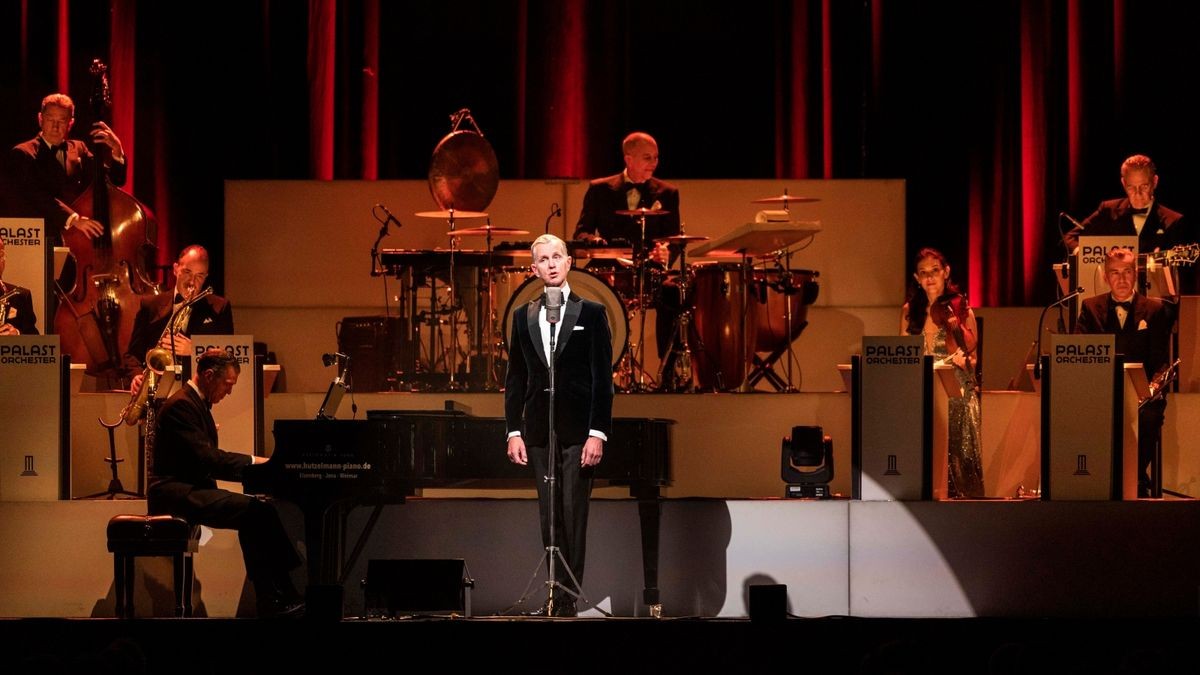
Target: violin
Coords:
[(951, 306)]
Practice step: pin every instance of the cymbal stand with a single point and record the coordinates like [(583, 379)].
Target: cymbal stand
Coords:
[(451, 384), (788, 291), (747, 348), (487, 320), (637, 356), (681, 375)]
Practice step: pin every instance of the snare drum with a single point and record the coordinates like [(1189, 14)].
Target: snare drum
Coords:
[(721, 330), (588, 286)]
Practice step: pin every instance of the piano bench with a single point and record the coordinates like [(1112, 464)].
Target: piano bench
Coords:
[(131, 536)]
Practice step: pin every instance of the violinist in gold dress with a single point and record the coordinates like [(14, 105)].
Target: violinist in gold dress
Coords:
[(940, 313)]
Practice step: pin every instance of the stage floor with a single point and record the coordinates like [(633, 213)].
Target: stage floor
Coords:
[(833, 644)]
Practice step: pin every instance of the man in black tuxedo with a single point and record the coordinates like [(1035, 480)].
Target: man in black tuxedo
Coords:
[(582, 408), (211, 315), (18, 317), (1139, 213), (185, 465), (1142, 327), (635, 188), (50, 171)]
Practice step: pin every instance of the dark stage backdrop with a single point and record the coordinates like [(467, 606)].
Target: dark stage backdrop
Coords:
[(999, 115)]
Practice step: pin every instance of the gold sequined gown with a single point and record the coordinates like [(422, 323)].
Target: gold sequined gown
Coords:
[(966, 462)]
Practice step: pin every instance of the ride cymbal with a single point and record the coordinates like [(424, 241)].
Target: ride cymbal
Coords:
[(642, 212), (784, 199), (682, 238), (486, 230), (450, 213)]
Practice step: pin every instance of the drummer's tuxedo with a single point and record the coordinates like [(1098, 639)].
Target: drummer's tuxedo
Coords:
[(606, 196), (582, 403)]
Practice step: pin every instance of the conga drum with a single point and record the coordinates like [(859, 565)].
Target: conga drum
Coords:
[(776, 289), (722, 330)]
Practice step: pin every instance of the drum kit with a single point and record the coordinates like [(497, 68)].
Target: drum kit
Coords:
[(721, 314)]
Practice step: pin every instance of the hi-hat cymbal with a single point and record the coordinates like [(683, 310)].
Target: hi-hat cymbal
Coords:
[(642, 212), (682, 238), (486, 230), (450, 213), (784, 199)]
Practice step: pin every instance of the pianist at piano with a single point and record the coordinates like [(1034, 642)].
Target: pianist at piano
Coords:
[(185, 465), (582, 410)]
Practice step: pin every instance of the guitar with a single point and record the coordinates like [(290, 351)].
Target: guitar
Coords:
[(1177, 256)]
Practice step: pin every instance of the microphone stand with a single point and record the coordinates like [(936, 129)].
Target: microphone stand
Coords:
[(1037, 361), (553, 554)]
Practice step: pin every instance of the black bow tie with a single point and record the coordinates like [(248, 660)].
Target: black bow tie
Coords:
[(1126, 304), (61, 147), (640, 187), (1140, 212), (178, 298)]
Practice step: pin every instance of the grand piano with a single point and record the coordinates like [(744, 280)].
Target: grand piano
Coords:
[(328, 467)]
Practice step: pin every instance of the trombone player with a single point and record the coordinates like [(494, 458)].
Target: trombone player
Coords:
[(210, 315)]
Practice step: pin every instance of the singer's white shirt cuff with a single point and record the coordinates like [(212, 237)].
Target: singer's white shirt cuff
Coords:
[(591, 432)]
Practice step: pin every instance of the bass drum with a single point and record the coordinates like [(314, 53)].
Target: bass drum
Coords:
[(588, 286)]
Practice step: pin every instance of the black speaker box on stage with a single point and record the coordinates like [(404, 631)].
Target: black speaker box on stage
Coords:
[(376, 347), (417, 586), (768, 602)]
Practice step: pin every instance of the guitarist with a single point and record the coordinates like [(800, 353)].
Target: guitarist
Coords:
[(1157, 227), (1142, 327)]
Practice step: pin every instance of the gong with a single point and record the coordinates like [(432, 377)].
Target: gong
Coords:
[(464, 174)]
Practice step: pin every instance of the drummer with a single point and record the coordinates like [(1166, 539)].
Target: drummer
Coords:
[(634, 188)]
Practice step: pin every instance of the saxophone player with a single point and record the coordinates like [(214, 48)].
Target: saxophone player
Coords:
[(211, 315), (16, 306)]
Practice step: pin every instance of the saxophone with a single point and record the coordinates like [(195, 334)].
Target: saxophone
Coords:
[(4, 304), (1160, 383), (158, 360)]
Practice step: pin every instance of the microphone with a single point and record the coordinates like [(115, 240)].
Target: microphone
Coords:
[(390, 218), (555, 210), (1037, 354), (554, 301), (330, 359)]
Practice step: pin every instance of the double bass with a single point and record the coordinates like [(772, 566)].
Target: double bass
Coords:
[(96, 312)]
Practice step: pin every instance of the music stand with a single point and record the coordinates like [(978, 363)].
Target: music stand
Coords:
[(750, 241), (333, 395)]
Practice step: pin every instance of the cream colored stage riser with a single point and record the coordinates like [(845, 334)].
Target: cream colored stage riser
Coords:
[(723, 445)]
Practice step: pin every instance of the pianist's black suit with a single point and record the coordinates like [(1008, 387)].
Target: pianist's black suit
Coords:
[(186, 465), (582, 402)]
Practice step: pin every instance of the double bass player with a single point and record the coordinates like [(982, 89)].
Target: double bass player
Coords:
[(50, 170)]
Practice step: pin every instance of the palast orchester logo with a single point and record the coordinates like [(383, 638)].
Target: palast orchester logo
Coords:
[(893, 355), (21, 236), (1094, 255), (1083, 354)]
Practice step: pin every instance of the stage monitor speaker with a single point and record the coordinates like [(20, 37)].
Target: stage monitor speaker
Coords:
[(374, 345), (417, 586), (768, 602)]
